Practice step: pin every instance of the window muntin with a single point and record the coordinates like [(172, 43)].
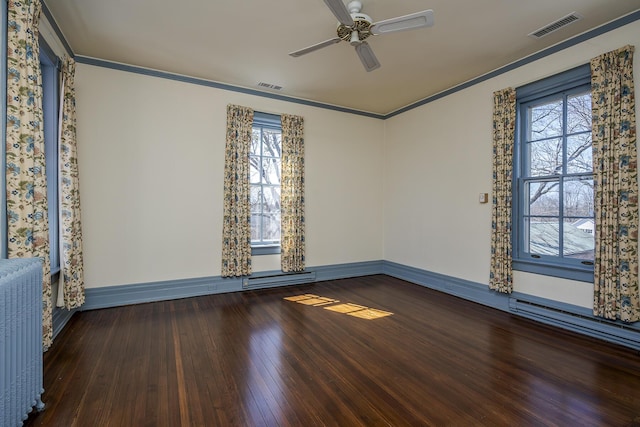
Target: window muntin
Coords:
[(264, 178), (554, 218)]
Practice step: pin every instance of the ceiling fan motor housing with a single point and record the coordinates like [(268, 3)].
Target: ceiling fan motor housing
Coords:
[(361, 24)]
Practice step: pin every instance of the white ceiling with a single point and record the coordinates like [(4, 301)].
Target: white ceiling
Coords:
[(244, 42)]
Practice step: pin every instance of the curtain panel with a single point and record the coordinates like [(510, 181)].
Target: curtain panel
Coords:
[(292, 194), (71, 261), (27, 220), (616, 293), (504, 119), (236, 220)]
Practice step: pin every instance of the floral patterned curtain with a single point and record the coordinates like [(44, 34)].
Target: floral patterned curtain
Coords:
[(616, 293), (236, 221), (292, 244), (71, 263), (27, 221), (504, 119)]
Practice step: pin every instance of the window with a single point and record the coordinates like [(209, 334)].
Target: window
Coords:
[(265, 170), (554, 203), (50, 89)]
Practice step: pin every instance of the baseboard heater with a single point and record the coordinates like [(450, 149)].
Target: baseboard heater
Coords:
[(621, 333), (278, 279)]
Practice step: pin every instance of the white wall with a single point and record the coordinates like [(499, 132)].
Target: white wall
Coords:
[(151, 156), (437, 161)]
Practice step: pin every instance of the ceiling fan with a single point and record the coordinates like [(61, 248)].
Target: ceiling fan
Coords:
[(354, 27)]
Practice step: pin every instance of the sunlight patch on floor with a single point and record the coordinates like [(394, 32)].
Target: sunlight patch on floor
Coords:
[(349, 309), (370, 313), (310, 299)]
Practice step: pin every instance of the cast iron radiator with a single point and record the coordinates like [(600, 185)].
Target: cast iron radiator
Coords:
[(20, 339)]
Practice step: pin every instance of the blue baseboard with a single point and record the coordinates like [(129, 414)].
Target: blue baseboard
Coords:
[(472, 291), (554, 313), (113, 296), (60, 318), (345, 271), (566, 316)]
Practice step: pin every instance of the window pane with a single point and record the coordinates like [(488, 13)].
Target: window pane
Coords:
[(579, 153), (271, 171), (545, 120), (255, 199), (579, 113), (271, 142), (254, 169), (255, 141), (543, 236), (579, 239), (271, 230), (544, 198), (545, 157), (255, 227), (271, 199), (578, 197)]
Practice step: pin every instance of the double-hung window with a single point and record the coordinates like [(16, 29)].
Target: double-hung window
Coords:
[(50, 107), (265, 173), (554, 225)]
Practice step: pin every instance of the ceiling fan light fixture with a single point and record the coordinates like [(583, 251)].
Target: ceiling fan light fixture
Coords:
[(355, 39)]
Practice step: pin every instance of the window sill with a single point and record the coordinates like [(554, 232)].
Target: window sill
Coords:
[(265, 250), (584, 274)]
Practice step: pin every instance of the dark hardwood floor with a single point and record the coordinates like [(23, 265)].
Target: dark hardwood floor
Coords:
[(256, 359)]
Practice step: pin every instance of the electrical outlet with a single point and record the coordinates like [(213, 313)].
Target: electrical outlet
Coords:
[(484, 197)]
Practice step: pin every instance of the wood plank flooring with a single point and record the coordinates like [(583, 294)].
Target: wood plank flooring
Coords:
[(256, 359)]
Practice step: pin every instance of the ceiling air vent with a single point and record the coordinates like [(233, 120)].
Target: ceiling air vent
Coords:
[(269, 86), (556, 25)]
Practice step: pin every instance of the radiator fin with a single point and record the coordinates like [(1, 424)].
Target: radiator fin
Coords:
[(20, 339)]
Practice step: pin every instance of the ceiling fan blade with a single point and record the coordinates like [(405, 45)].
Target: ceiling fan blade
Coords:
[(367, 57), (315, 47), (340, 11), (402, 23)]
